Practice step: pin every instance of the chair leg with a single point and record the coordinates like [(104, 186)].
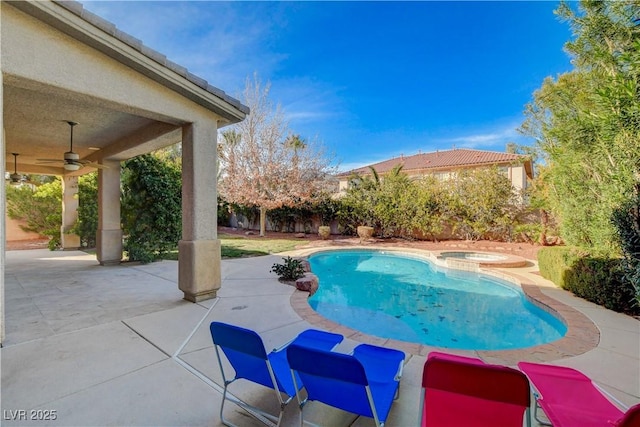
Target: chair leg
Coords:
[(224, 397), (535, 415), (257, 413)]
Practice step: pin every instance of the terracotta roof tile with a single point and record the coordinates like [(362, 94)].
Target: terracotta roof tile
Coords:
[(442, 159)]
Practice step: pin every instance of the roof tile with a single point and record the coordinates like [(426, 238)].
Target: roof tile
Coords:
[(78, 9), (441, 160)]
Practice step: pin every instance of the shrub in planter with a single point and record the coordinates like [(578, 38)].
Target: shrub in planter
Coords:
[(324, 231), (291, 270)]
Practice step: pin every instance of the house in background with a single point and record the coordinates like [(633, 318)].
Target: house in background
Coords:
[(445, 164)]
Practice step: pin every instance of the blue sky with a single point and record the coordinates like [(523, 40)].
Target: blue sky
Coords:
[(369, 80)]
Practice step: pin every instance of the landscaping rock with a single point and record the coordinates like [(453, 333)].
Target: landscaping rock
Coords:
[(301, 235), (305, 264), (308, 283)]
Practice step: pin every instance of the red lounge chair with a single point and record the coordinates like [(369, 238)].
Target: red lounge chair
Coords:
[(463, 391), (570, 399)]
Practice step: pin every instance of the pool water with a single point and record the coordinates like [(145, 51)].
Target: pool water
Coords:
[(407, 298)]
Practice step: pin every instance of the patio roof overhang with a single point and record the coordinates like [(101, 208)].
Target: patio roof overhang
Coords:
[(61, 62)]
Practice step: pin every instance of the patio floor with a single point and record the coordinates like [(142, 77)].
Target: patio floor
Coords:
[(118, 346)]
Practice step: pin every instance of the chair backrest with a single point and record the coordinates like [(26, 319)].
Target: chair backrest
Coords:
[(631, 418), (244, 350), (465, 391), (472, 377), (335, 379)]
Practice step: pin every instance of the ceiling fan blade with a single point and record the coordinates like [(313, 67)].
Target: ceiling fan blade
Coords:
[(91, 164), (48, 161)]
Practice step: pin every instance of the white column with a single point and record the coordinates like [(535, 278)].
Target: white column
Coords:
[(199, 250), (69, 240), (109, 237)]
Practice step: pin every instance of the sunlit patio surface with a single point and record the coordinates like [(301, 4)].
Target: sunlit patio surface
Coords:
[(92, 346)]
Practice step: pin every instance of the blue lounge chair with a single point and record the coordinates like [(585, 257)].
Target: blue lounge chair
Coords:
[(246, 352), (364, 383)]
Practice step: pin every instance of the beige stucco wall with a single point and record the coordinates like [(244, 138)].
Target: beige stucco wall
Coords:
[(14, 232), (518, 177), (516, 174), (65, 64)]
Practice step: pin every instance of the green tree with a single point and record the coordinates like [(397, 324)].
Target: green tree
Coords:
[(39, 207), (484, 204), (151, 207), (429, 207), (358, 203), (586, 122)]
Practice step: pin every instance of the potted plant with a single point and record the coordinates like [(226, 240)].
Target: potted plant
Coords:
[(324, 231), (365, 232)]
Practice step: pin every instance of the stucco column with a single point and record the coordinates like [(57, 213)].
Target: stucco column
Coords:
[(109, 238), (199, 250), (68, 240), (3, 208)]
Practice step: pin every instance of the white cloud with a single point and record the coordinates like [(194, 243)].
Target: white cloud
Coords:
[(488, 139)]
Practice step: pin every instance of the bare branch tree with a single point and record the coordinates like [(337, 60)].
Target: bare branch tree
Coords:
[(263, 163)]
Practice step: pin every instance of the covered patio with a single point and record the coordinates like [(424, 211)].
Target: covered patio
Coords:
[(61, 64)]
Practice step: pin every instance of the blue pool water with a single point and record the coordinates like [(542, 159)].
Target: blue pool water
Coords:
[(408, 298)]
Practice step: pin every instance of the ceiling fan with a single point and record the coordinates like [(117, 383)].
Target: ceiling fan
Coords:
[(72, 160), (15, 178)]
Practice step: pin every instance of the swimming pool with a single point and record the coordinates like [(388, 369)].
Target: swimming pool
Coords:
[(406, 297)]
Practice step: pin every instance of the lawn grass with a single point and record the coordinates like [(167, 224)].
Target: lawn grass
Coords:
[(242, 247)]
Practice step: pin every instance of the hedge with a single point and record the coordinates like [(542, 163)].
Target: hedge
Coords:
[(595, 278)]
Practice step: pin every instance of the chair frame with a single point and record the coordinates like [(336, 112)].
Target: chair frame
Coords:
[(529, 369), (362, 380), (263, 416), (258, 413)]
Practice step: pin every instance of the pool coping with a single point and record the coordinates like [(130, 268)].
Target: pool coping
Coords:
[(505, 261), (582, 334)]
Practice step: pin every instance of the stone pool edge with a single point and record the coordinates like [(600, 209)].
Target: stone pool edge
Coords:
[(582, 334)]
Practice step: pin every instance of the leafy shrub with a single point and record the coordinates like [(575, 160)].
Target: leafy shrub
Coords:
[(600, 280), (292, 269), (41, 208), (151, 207), (87, 225), (626, 220), (595, 278), (223, 212), (554, 262)]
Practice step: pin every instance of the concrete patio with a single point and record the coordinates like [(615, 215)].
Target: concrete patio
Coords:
[(118, 345)]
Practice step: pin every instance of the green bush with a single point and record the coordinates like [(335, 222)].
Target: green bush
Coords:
[(626, 220), (87, 225), (595, 278), (600, 280), (292, 269), (41, 208), (151, 207), (223, 212), (554, 261)]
